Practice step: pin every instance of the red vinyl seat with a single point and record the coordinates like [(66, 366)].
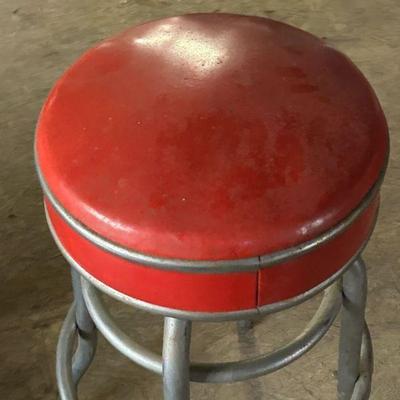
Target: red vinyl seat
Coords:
[(211, 137)]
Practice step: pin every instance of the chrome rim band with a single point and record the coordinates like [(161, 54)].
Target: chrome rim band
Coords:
[(211, 266)]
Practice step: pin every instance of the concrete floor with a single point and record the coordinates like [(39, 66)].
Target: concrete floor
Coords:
[(39, 39)]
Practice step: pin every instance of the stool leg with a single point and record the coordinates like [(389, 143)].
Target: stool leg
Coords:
[(86, 330), (176, 359), (244, 325), (352, 327)]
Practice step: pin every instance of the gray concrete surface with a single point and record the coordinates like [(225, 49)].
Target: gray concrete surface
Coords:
[(39, 39)]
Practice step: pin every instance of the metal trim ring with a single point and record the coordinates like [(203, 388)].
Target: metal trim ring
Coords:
[(218, 372), (210, 266)]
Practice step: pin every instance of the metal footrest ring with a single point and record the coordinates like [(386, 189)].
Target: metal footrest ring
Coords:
[(72, 365), (218, 372)]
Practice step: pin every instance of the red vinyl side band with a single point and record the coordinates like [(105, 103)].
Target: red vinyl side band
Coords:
[(295, 277)]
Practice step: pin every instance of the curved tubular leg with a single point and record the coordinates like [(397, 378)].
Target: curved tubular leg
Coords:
[(78, 325), (352, 327), (87, 334), (176, 359), (65, 348), (362, 387), (244, 325)]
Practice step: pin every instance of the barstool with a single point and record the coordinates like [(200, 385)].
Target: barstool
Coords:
[(212, 167)]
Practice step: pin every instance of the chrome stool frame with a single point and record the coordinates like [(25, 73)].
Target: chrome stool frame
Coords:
[(347, 290)]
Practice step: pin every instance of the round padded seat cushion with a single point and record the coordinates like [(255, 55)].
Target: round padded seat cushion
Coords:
[(211, 137)]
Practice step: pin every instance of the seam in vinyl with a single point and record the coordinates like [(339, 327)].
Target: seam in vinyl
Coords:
[(258, 278)]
